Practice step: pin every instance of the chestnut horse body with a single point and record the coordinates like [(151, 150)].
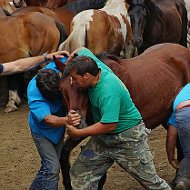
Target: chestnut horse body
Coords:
[(65, 13), (25, 36), (44, 3), (153, 79)]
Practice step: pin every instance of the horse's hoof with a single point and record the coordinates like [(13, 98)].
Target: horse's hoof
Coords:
[(10, 109)]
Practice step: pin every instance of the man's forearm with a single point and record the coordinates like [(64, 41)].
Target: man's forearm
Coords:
[(97, 129), (55, 121), (170, 148), (22, 65)]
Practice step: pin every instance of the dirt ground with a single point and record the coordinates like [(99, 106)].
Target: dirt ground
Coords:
[(20, 161)]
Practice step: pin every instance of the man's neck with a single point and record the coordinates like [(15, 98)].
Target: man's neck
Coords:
[(96, 79)]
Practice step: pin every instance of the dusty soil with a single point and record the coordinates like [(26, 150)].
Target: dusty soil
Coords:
[(20, 161)]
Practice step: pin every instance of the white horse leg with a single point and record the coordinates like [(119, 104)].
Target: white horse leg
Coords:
[(14, 101)]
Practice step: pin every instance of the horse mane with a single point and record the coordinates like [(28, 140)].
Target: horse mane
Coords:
[(154, 10), (80, 5), (105, 55), (150, 6)]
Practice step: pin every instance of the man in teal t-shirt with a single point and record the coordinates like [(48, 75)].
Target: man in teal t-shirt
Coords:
[(118, 135)]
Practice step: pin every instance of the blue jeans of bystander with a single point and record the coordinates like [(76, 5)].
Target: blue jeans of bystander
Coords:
[(48, 176), (183, 129)]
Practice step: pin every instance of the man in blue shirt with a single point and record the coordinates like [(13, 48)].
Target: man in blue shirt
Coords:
[(179, 125), (47, 119)]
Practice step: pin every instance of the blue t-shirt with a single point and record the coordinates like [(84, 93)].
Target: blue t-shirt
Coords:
[(1, 68), (183, 95), (40, 108)]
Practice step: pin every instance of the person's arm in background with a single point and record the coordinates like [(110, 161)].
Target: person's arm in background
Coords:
[(170, 146), (25, 64)]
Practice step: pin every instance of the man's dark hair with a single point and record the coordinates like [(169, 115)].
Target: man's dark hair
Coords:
[(47, 81), (82, 65)]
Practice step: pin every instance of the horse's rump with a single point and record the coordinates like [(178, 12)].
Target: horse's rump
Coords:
[(108, 26)]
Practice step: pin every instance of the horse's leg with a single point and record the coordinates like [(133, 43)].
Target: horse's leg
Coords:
[(65, 163), (3, 91), (102, 182), (14, 99)]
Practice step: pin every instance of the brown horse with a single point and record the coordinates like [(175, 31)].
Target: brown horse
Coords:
[(65, 13), (51, 4), (156, 22), (106, 29), (25, 36), (153, 79)]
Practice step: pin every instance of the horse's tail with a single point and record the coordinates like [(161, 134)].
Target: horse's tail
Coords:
[(62, 31), (76, 39), (184, 27)]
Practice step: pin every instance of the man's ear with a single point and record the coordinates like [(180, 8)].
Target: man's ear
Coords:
[(86, 75)]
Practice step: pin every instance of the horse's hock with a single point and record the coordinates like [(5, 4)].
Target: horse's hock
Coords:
[(3, 91)]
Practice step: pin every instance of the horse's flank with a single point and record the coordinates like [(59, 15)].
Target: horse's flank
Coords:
[(153, 80), (113, 31)]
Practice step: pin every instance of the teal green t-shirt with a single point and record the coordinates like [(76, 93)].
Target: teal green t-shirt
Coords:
[(110, 99)]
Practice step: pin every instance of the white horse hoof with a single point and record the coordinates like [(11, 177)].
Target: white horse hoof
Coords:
[(10, 107)]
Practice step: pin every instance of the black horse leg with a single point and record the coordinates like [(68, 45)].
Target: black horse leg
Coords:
[(65, 163), (65, 168), (102, 181)]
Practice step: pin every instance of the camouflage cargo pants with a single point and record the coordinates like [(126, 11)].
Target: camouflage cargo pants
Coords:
[(129, 149)]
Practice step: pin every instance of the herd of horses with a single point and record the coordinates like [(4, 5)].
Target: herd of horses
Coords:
[(119, 27)]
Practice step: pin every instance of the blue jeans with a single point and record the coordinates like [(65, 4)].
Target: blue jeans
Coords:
[(48, 176), (183, 129)]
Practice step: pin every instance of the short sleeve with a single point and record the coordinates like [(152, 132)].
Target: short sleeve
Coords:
[(172, 120)]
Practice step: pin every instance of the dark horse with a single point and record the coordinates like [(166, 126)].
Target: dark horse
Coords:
[(153, 79), (158, 21)]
